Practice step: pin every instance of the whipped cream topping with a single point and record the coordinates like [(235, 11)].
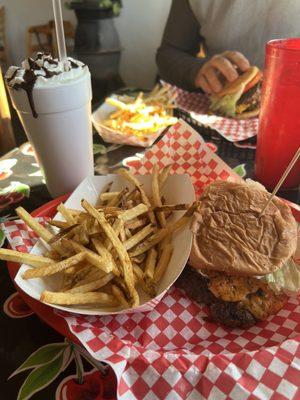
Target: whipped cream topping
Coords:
[(43, 71)]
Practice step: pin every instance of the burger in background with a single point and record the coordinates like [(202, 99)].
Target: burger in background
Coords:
[(239, 258), (240, 98)]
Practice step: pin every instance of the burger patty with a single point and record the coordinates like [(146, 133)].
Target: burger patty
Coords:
[(233, 301), (226, 313), (196, 286), (246, 97), (232, 315), (250, 100)]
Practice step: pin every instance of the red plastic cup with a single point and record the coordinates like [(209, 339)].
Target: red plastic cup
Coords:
[(279, 120)]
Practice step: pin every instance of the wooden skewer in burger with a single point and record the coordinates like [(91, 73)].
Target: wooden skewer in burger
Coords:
[(237, 250), (282, 179)]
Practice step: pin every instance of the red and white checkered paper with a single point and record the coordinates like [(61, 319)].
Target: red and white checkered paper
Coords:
[(196, 104), (173, 352), (188, 153)]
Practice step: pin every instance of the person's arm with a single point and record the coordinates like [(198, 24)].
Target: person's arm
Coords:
[(176, 57)]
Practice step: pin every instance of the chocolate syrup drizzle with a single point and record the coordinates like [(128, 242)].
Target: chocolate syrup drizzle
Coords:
[(30, 77)]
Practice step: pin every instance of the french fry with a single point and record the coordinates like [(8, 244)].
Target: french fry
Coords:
[(115, 102), (113, 211), (54, 255), (124, 200), (52, 268), (128, 234), (75, 268), (116, 114), (34, 225), (138, 272), (66, 214), (156, 196), (24, 258), (103, 252), (117, 292), (91, 286), (67, 299), (172, 207), (59, 224), (106, 196), (117, 244), (94, 228), (138, 237), (73, 274), (122, 285), (83, 233), (150, 264), (67, 232), (39, 229), (163, 176), (129, 204), (133, 194), (100, 202), (87, 275), (134, 212), (99, 262), (116, 200), (162, 233), (159, 236), (66, 282), (163, 262), (112, 236), (138, 259), (147, 286), (161, 245), (117, 226), (132, 179), (122, 232), (75, 213), (92, 257), (136, 223)]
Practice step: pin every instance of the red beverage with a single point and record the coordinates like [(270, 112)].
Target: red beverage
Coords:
[(279, 120)]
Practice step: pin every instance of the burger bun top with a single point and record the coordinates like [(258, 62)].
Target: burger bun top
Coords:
[(230, 236), (242, 80)]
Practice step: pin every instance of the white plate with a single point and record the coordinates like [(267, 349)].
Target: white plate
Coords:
[(112, 136), (178, 189)]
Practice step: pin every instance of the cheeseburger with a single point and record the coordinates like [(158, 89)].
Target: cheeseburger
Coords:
[(240, 98), (236, 253)]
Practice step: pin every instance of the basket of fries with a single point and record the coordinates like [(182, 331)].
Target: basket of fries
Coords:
[(135, 120), (116, 251)]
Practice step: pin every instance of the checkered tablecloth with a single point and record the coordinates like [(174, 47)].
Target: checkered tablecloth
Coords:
[(173, 352), (196, 105), (188, 153)]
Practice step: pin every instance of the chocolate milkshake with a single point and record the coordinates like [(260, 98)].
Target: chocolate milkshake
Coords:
[(54, 104)]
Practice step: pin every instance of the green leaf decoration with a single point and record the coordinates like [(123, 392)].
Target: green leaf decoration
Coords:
[(240, 170), (116, 9), (16, 187), (23, 188), (99, 149), (40, 378), (105, 3), (2, 238), (68, 357), (41, 356)]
